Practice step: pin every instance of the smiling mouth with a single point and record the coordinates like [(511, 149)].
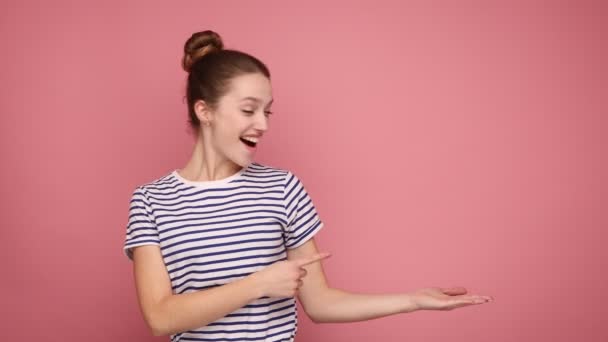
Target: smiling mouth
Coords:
[(248, 143)]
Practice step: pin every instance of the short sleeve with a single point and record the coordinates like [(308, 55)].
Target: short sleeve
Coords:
[(141, 226), (303, 221)]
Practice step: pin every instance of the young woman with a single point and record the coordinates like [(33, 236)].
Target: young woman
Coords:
[(222, 247)]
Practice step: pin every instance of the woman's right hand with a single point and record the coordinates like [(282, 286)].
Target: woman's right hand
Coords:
[(284, 278)]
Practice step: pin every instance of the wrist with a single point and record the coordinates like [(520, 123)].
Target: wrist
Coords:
[(254, 284), (409, 303)]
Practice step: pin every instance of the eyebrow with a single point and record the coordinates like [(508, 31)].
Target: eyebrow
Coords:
[(255, 99)]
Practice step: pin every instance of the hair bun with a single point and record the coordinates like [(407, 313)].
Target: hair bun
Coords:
[(198, 45)]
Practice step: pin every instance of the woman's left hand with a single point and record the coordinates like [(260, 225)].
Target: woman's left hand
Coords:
[(441, 298)]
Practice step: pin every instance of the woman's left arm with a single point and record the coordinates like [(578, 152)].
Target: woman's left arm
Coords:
[(324, 304)]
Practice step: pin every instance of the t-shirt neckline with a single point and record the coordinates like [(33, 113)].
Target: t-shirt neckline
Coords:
[(211, 183)]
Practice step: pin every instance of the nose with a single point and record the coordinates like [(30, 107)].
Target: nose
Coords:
[(261, 123)]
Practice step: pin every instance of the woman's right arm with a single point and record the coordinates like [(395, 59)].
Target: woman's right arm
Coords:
[(167, 313)]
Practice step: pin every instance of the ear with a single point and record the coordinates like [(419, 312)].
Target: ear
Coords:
[(203, 112)]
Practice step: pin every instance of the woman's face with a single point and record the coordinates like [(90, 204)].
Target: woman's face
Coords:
[(242, 113)]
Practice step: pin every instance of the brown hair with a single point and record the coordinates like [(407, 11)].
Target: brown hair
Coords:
[(210, 68)]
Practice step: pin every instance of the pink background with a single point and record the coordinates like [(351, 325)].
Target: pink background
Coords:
[(443, 144)]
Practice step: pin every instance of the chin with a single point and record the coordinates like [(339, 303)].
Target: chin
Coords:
[(243, 162)]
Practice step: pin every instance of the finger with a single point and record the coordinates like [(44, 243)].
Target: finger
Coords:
[(476, 300), (303, 272), (459, 303), (454, 291), (459, 290), (314, 258)]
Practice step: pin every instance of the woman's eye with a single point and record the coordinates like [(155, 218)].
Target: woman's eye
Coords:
[(250, 112)]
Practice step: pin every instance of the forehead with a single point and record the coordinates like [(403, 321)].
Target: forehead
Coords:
[(250, 88)]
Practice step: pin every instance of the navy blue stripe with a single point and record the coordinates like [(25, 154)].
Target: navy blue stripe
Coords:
[(215, 237), (138, 200), (237, 339), (258, 174), (134, 242), (305, 234), (174, 279), (223, 252), (261, 256), (206, 231), (210, 229), (251, 322), (214, 205), (136, 207), (182, 192), (147, 235), (217, 210), (295, 198), (199, 197), (137, 214), (196, 248), (305, 223), (200, 225), (269, 303), (302, 215), (175, 184), (250, 314), (205, 280), (290, 187), (140, 221), (257, 180), (241, 330), (131, 230)]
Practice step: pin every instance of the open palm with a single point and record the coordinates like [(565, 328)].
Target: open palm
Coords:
[(438, 298)]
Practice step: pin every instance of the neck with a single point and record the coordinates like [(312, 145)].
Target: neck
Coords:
[(206, 165)]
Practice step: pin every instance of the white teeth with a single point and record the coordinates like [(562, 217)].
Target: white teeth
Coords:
[(253, 140)]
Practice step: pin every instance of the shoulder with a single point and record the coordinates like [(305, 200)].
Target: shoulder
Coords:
[(264, 172), (256, 168), (164, 181)]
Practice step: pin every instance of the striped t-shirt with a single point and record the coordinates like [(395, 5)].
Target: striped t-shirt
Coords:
[(214, 232)]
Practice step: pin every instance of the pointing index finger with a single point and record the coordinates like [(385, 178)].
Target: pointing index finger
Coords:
[(312, 259)]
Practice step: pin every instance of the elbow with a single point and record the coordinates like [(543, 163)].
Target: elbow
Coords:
[(156, 323), (159, 333), (156, 331), (156, 327), (318, 310), (312, 317), (318, 319), (315, 315)]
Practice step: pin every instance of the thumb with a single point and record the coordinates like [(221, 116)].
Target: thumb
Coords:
[(454, 291)]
